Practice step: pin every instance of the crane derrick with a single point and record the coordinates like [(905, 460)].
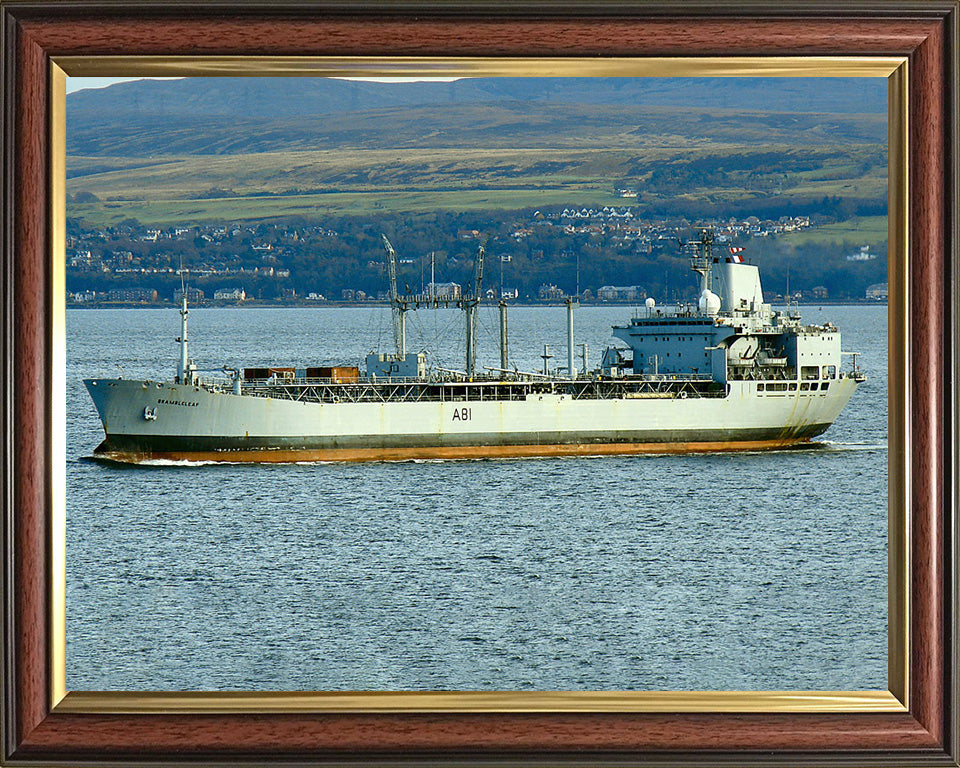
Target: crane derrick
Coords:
[(470, 306), (398, 305)]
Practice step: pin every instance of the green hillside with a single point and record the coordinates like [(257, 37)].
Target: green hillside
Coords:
[(299, 177), (404, 161)]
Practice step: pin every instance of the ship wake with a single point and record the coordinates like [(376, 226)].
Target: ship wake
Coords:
[(853, 446)]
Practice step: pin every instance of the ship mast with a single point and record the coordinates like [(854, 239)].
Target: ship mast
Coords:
[(503, 333), (182, 368), (184, 362), (470, 308), (702, 259), (397, 304), (571, 370), (503, 319)]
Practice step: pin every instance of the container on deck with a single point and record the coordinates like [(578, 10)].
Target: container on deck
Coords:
[(340, 374), (252, 374), (278, 374)]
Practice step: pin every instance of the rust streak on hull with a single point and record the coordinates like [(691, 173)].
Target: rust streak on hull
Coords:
[(447, 452)]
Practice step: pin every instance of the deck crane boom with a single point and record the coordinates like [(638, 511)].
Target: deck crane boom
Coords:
[(398, 305)]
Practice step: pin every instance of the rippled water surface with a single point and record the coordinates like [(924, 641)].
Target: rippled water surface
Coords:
[(742, 571)]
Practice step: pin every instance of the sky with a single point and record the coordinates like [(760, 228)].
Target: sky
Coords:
[(80, 83)]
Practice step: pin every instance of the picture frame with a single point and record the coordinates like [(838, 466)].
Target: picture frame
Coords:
[(915, 722)]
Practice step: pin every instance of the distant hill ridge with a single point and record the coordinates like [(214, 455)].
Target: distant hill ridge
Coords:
[(254, 148), (222, 116), (251, 97)]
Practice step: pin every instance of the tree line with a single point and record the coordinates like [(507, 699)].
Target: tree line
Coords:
[(528, 248)]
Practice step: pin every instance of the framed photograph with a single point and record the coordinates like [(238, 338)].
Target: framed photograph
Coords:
[(912, 47)]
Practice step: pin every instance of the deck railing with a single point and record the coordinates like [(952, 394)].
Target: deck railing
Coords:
[(419, 390)]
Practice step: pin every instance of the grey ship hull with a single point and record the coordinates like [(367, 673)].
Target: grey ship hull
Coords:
[(146, 420)]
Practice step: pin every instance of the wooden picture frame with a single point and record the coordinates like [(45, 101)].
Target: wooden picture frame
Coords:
[(42, 726)]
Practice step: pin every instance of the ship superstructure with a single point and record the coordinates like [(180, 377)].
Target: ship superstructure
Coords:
[(724, 373), (731, 335)]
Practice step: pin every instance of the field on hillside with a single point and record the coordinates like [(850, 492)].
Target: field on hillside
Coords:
[(863, 230), (462, 157), (166, 190)]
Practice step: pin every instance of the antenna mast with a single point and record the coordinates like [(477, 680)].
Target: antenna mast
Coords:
[(702, 259)]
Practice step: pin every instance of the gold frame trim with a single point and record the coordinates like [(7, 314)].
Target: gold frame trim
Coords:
[(233, 702), (58, 383), (129, 702), (425, 66), (898, 414)]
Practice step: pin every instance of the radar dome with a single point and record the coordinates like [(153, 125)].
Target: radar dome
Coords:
[(651, 302), (709, 302)]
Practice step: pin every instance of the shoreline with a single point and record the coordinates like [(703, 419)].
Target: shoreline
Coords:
[(385, 305)]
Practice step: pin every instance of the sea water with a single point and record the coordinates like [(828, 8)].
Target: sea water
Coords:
[(746, 571)]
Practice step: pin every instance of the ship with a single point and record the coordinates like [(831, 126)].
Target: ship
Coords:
[(722, 372)]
